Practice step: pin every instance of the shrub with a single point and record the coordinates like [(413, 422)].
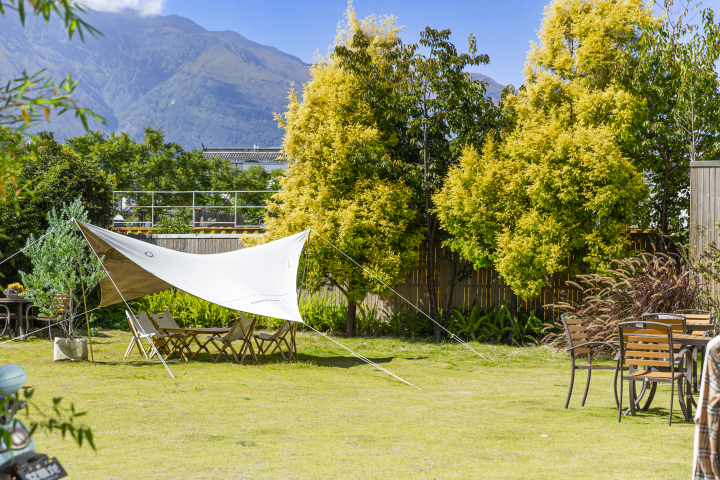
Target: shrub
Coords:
[(496, 325), (178, 222), (645, 283)]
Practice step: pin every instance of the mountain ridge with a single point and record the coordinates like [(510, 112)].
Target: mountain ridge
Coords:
[(168, 72)]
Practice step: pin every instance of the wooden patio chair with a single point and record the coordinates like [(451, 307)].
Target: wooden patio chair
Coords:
[(145, 328), (704, 315), (579, 343), (647, 348), (6, 327), (676, 321), (178, 341), (38, 318), (242, 330), (277, 339), (679, 325)]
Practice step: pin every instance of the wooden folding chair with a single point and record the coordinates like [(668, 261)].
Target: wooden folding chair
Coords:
[(241, 330), (145, 328), (277, 339), (179, 341), (578, 343), (136, 337), (647, 348)]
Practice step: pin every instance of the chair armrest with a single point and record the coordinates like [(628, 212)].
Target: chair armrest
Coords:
[(593, 343)]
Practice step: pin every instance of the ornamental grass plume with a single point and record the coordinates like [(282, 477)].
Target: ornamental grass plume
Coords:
[(646, 283)]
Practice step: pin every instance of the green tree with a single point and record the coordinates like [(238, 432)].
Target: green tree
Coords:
[(156, 165), (26, 100), (335, 150), (673, 71), (56, 268), (58, 176), (558, 185), (430, 107)]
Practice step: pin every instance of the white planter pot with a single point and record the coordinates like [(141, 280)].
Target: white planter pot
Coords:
[(66, 349)]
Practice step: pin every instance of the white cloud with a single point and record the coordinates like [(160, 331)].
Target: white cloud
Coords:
[(144, 7)]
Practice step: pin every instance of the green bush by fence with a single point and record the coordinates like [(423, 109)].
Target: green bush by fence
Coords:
[(490, 324)]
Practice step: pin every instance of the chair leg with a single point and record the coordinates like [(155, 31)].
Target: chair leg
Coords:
[(631, 394), (619, 398), (572, 380), (651, 395), (672, 395), (587, 387), (681, 398)]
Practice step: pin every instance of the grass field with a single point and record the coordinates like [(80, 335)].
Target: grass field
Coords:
[(328, 416)]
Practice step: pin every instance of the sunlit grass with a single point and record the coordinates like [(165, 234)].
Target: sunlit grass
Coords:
[(329, 416)]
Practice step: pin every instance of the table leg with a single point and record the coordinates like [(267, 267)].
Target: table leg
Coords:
[(18, 322), (694, 382), (688, 402)]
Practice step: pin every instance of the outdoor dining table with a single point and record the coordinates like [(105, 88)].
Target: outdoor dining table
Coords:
[(192, 334), (20, 301)]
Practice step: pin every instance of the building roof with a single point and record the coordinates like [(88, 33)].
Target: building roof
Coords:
[(237, 155)]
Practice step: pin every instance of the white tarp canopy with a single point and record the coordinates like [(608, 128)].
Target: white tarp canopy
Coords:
[(259, 280)]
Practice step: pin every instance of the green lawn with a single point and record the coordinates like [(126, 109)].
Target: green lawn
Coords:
[(328, 416)]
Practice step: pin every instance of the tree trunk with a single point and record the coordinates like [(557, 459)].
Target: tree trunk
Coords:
[(351, 315), (430, 223)]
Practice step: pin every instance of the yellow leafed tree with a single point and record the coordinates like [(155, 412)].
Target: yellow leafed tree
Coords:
[(335, 183), (558, 185)]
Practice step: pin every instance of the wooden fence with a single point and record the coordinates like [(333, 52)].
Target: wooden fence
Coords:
[(705, 212), (484, 286), (201, 244)]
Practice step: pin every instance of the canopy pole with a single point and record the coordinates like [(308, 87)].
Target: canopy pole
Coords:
[(452, 335), (82, 286), (159, 355)]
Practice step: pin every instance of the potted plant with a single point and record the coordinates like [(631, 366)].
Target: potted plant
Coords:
[(14, 290), (55, 285)]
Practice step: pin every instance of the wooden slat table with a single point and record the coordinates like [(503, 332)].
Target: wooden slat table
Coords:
[(192, 334)]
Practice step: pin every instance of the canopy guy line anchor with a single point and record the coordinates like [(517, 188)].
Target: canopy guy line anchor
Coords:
[(452, 335)]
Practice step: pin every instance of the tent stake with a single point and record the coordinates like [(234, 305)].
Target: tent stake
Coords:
[(82, 286)]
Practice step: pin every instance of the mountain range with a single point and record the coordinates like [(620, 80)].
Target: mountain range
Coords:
[(200, 87)]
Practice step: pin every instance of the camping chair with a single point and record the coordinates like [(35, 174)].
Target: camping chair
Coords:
[(578, 343), (136, 338), (241, 330), (145, 328), (179, 341), (277, 339), (647, 348)]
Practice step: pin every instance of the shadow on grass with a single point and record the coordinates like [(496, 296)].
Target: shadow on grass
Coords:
[(204, 358)]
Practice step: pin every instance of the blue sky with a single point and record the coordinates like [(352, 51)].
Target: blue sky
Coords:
[(504, 29)]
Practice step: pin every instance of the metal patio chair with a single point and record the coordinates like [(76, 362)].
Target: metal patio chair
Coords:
[(647, 348), (579, 343)]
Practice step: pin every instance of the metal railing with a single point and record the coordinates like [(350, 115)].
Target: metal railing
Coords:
[(228, 203)]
